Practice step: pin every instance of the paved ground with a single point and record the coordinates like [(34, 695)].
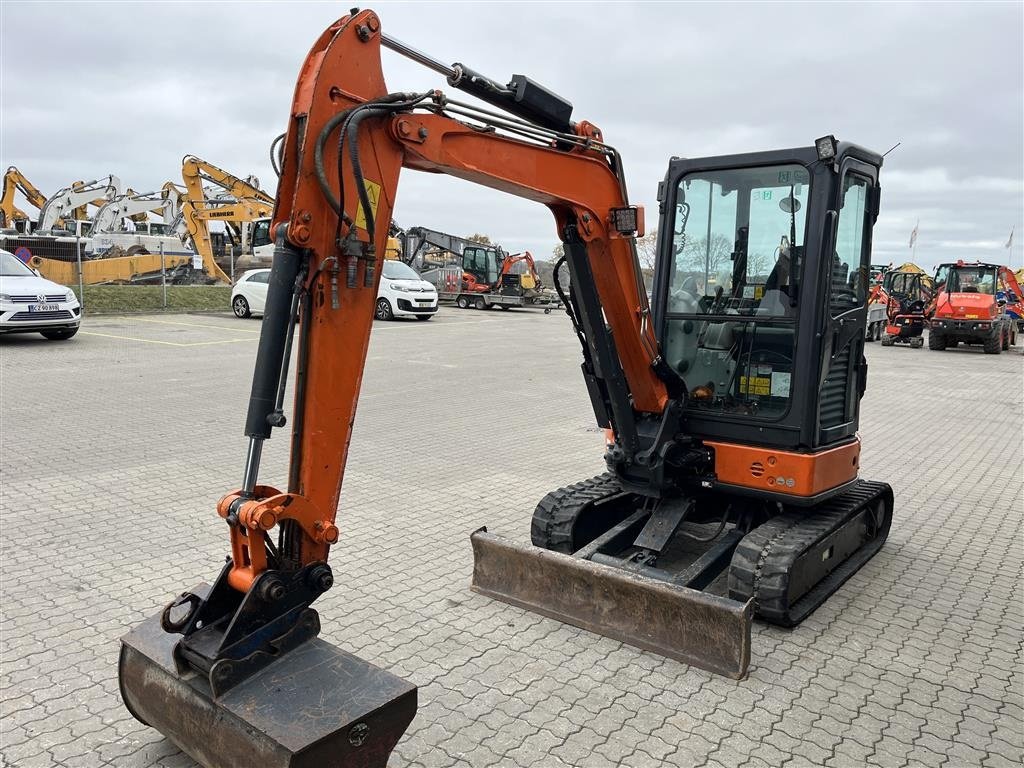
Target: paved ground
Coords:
[(117, 445)]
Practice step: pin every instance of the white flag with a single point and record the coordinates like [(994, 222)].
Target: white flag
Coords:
[(1009, 243), (913, 235)]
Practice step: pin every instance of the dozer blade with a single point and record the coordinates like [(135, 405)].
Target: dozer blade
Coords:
[(314, 707), (697, 628)]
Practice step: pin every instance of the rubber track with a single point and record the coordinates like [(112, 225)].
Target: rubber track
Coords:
[(556, 514), (761, 564)]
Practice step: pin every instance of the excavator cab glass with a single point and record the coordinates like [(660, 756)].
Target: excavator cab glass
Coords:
[(762, 276), (906, 286), (969, 279), (481, 263), (737, 242), (261, 233)]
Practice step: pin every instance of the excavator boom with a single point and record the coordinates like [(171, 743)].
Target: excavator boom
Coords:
[(241, 200), (133, 206), (72, 200), (15, 181)]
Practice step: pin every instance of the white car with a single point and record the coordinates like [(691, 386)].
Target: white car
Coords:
[(30, 303), (403, 293), (249, 296)]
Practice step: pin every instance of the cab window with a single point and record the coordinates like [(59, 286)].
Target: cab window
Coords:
[(738, 244), (849, 273), (261, 233), (736, 235)]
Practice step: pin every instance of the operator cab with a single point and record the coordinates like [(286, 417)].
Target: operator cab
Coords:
[(909, 289), (746, 282), (482, 263), (966, 278)]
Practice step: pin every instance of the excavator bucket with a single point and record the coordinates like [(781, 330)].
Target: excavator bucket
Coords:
[(313, 707), (689, 625)]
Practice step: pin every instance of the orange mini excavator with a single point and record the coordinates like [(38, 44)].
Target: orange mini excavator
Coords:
[(732, 485)]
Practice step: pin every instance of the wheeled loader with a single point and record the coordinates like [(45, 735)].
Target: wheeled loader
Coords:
[(731, 403), (975, 303)]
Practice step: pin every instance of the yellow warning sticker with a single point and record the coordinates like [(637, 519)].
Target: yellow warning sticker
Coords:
[(372, 192), (755, 385)]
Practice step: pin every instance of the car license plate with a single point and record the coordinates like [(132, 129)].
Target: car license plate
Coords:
[(43, 308)]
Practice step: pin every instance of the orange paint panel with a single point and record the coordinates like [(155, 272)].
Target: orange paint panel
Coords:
[(798, 474)]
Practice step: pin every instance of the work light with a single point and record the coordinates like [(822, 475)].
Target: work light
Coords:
[(627, 221), (826, 147)]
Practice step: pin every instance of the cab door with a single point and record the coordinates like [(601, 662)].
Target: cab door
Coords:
[(847, 274), (262, 244)]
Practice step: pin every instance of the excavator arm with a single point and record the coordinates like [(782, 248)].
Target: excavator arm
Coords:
[(130, 206), (348, 140), (72, 200), (174, 194), (332, 268), (15, 181), (241, 200), (531, 266)]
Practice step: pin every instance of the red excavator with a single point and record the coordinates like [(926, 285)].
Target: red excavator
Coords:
[(907, 292), (733, 399)]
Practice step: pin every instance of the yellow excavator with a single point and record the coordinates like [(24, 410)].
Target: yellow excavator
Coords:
[(10, 214), (732, 485), (241, 204), (16, 181)]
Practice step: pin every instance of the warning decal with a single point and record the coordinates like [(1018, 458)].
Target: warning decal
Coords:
[(755, 385), (372, 192)]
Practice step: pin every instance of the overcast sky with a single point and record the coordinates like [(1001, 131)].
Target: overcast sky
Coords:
[(129, 88)]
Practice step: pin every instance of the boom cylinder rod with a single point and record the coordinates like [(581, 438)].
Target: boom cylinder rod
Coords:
[(252, 465), (418, 56)]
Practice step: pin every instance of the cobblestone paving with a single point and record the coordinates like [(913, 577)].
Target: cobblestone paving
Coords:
[(117, 445)]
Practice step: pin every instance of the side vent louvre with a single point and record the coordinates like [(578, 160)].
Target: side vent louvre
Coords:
[(757, 469), (835, 391)]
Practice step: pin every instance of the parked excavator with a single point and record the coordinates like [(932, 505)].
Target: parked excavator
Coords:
[(907, 292), (732, 484), (113, 255), (10, 214), (69, 203), (472, 274), (240, 204)]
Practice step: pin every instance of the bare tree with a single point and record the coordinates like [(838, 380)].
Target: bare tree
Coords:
[(698, 255), (647, 250), (759, 265), (558, 251), (476, 237)]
